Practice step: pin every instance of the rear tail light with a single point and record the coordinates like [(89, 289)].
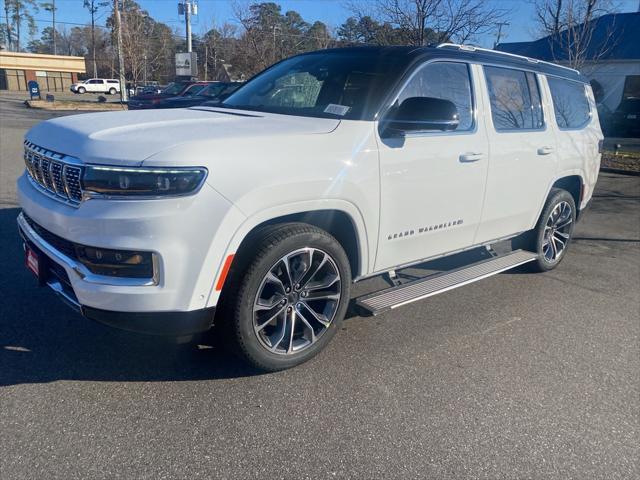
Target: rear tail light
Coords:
[(600, 146)]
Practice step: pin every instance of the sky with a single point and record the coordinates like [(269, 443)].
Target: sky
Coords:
[(331, 12)]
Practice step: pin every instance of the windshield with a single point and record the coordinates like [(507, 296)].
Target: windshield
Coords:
[(214, 90), (173, 89), (334, 84), (193, 90)]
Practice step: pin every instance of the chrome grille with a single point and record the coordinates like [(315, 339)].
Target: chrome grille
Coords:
[(56, 174)]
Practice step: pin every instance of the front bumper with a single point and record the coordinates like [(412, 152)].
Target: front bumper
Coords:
[(154, 323), (179, 231)]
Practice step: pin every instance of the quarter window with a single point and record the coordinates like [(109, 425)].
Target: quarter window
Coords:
[(515, 99), (447, 81), (570, 103)]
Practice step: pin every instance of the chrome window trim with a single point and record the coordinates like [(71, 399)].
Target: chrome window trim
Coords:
[(83, 272), (516, 130), (403, 85)]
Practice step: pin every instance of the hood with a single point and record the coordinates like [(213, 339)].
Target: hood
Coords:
[(130, 137)]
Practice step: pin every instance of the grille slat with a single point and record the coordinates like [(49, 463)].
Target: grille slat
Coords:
[(56, 175), (53, 173)]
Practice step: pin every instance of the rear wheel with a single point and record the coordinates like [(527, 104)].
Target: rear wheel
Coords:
[(553, 232), (292, 297), (112, 91)]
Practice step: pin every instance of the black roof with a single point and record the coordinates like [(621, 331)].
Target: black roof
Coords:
[(418, 54), (615, 36)]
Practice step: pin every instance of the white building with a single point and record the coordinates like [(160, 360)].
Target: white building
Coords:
[(612, 56)]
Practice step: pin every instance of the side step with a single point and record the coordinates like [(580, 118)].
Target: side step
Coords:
[(388, 299)]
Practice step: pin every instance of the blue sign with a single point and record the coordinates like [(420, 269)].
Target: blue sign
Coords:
[(34, 89)]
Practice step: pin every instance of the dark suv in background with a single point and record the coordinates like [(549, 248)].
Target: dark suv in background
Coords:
[(625, 120), (214, 92), (142, 101)]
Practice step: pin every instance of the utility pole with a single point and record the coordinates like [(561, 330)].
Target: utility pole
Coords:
[(499, 34), (51, 7), (275, 56), (206, 62), (53, 13), (187, 19), (123, 85), (92, 6)]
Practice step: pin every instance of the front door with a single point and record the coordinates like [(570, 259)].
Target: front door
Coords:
[(432, 183)]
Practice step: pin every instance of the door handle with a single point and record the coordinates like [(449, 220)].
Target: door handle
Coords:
[(545, 150), (471, 157)]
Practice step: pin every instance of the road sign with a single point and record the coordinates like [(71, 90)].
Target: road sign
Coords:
[(187, 64)]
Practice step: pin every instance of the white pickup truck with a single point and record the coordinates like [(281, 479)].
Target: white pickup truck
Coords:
[(97, 85), (330, 167)]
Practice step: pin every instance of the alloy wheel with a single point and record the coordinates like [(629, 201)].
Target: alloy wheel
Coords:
[(557, 232), (297, 301)]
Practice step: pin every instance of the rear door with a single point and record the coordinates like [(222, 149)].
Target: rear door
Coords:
[(578, 131), (522, 152), (432, 183)]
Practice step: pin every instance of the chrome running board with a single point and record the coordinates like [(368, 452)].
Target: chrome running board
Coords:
[(394, 297)]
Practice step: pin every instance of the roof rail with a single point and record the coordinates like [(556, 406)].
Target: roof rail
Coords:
[(471, 48)]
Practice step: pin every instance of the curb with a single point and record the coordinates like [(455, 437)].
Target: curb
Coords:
[(74, 106), (618, 171)]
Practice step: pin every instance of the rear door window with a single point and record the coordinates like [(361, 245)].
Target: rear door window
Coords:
[(515, 99), (570, 103), (445, 80)]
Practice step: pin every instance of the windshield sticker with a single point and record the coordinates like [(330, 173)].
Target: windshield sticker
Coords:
[(334, 109)]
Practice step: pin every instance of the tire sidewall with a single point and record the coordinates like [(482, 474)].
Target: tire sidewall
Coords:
[(258, 268), (556, 197)]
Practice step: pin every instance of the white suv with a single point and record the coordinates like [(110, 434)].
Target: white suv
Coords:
[(327, 168), (97, 85)]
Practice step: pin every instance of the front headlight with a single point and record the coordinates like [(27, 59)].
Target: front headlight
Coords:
[(141, 182)]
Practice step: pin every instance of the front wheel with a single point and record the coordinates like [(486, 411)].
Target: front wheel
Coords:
[(292, 297), (553, 232), (82, 90), (112, 91)]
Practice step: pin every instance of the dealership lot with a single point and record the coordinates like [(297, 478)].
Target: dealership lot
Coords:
[(517, 376)]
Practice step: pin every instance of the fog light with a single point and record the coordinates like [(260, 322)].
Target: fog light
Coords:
[(116, 263)]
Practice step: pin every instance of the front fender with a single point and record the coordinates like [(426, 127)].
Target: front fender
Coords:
[(224, 244)]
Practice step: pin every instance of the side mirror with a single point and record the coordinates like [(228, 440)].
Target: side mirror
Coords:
[(421, 114)]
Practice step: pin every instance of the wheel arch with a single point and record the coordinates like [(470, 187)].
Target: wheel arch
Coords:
[(335, 222), (573, 182), (341, 219)]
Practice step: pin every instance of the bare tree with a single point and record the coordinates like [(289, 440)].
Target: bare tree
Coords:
[(425, 21), (570, 26)]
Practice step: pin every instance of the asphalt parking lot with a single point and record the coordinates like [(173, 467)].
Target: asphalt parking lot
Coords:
[(518, 376)]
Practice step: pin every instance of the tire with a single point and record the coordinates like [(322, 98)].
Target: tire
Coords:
[(259, 301), (82, 90), (552, 236), (112, 91)]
